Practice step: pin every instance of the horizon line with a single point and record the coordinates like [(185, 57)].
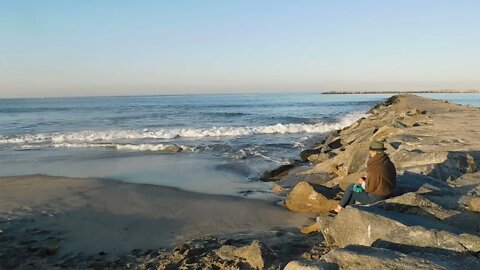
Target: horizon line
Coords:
[(333, 92)]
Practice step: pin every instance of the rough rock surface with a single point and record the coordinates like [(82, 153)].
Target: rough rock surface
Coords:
[(433, 219), (350, 179), (278, 189), (304, 198), (257, 255), (474, 204), (360, 227), (303, 265), (278, 173), (371, 258)]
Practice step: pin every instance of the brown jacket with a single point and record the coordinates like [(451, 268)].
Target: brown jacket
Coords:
[(381, 175)]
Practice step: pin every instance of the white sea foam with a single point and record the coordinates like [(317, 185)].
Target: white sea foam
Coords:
[(89, 138), (126, 147)]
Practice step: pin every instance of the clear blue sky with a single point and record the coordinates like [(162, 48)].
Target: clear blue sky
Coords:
[(115, 47)]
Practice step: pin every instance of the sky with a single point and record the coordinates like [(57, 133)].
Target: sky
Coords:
[(115, 47)]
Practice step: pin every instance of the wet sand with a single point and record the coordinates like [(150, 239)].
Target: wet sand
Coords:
[(95, 215)]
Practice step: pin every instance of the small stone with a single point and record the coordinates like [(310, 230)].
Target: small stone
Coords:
[(278, 189)]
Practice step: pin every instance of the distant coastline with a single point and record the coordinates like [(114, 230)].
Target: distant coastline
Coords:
[(448, 91)]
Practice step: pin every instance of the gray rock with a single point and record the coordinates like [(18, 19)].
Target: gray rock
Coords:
[(416, 204), (357, 156), (372, 258), (390, 101), (396, 123), (411, 181), (303, 198), (354, 226), (384, 133), (302, 265), (359, 135), (331, 137), (320, 157), (257, 254), (278, 173), (350, 179), (305, 154), (441, 165), (337, 143), (319, 178)]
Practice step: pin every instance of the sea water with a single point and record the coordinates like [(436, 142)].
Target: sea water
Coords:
[(218, 144)]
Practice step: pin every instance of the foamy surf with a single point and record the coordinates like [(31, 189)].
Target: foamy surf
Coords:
[(169, 148), (112, 138)]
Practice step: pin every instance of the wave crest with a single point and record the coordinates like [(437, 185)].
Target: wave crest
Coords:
[(113, 136), (168, 148)]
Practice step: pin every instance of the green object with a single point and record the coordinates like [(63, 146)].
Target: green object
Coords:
[(357, 188)]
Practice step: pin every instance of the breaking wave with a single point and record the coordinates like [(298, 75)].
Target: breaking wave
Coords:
[(169, 148), (111, 138)]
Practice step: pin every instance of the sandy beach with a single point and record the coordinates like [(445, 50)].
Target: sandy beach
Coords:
[(94, 215), (432, 223), (239, 135)]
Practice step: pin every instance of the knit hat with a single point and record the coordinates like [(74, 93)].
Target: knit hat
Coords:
[(374, 146)]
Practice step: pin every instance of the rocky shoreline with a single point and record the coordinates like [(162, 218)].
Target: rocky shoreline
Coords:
[(432, 222), (433, 219), (440, 91)]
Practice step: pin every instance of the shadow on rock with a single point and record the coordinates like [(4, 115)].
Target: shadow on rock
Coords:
[(410, 249)]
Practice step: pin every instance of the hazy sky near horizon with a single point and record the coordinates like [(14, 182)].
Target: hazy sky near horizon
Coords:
[(116, 47)]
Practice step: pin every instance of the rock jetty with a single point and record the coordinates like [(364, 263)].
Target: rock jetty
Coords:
[(431, 222)]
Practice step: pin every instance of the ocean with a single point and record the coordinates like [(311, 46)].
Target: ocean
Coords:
[(218, 144)]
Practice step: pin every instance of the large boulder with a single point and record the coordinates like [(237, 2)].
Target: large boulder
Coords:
[(410, 181), (278, 173), (372, 258), (350, 179), (415, 204), (319, 178), (337, 143), (303, 198), (384, 133), (305, 154), (442, 165), (320, 157), (406, 159), (357, 156), (361, 134), (257, 254), (354, 226)]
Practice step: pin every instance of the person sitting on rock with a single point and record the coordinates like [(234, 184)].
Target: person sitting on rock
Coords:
[(378, 185)]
